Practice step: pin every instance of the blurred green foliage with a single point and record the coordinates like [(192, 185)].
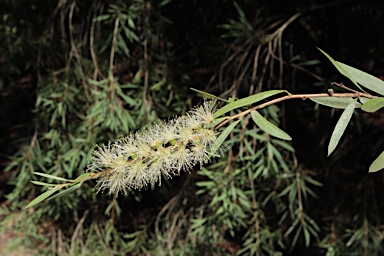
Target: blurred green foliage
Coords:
[(77, 74)]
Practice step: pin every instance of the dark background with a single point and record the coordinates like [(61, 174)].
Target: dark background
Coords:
[(196, 45)]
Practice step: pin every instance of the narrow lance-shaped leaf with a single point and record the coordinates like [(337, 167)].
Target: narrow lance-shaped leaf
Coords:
[(224, 134), (67, 191), (44, 184), (341, 126), (373, 105), (358, 77), (268, 127), (41, 198), (246, 101), (340, 68), (335, 102), (378, 164), (364, 79), (208, 95), (50, 176), (307, 236)]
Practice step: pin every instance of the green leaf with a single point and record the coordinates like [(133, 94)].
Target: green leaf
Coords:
[(368, 81), (307, 236), (43, 184), (216, 121), (378, 164), (268, 127), (84, 176), (373, 105), (50, 176), (247, 101), (363, 100), (208, 95), (224, 134), (41, 198), (283, 144), (67, 191), (126, 98), (340, 68), (358, 77), (341, 126), (335, 102)]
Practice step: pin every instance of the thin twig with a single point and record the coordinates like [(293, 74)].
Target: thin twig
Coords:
[(146, 94), (76, 51), (341, 85), (76, 237), (254, 70), (296, 96), (92, 50), (299, 198), (113, 46)]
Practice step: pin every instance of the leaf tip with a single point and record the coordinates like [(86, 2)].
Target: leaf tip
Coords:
[(373, 168)]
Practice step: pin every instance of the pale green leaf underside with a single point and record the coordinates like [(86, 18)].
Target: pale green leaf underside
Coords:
[(268, 127), (247, 101), (358, 77), (341, 69), (378, 164), (341, 126), (373, 105), (364, 79), (335, 102)]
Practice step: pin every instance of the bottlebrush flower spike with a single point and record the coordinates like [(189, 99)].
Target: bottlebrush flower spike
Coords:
[(166, 149)]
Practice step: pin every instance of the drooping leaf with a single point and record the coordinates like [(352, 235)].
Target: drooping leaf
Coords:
[(283, 144), (378, 164), (247, 101), (268, 127), (373, 105), (224, 134), (335, 102), (41, 198), (341, 126), (307, 236)]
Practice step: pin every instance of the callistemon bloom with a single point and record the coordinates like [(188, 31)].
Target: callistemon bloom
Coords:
[(167, 148)]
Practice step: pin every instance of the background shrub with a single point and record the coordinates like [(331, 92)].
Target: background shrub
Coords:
[(79, 74)]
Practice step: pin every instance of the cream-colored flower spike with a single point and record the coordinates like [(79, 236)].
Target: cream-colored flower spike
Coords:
[(140, 159)]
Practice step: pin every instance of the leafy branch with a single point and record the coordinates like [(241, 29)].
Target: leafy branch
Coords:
[(202, 143), (71, 185), (335, 102)]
